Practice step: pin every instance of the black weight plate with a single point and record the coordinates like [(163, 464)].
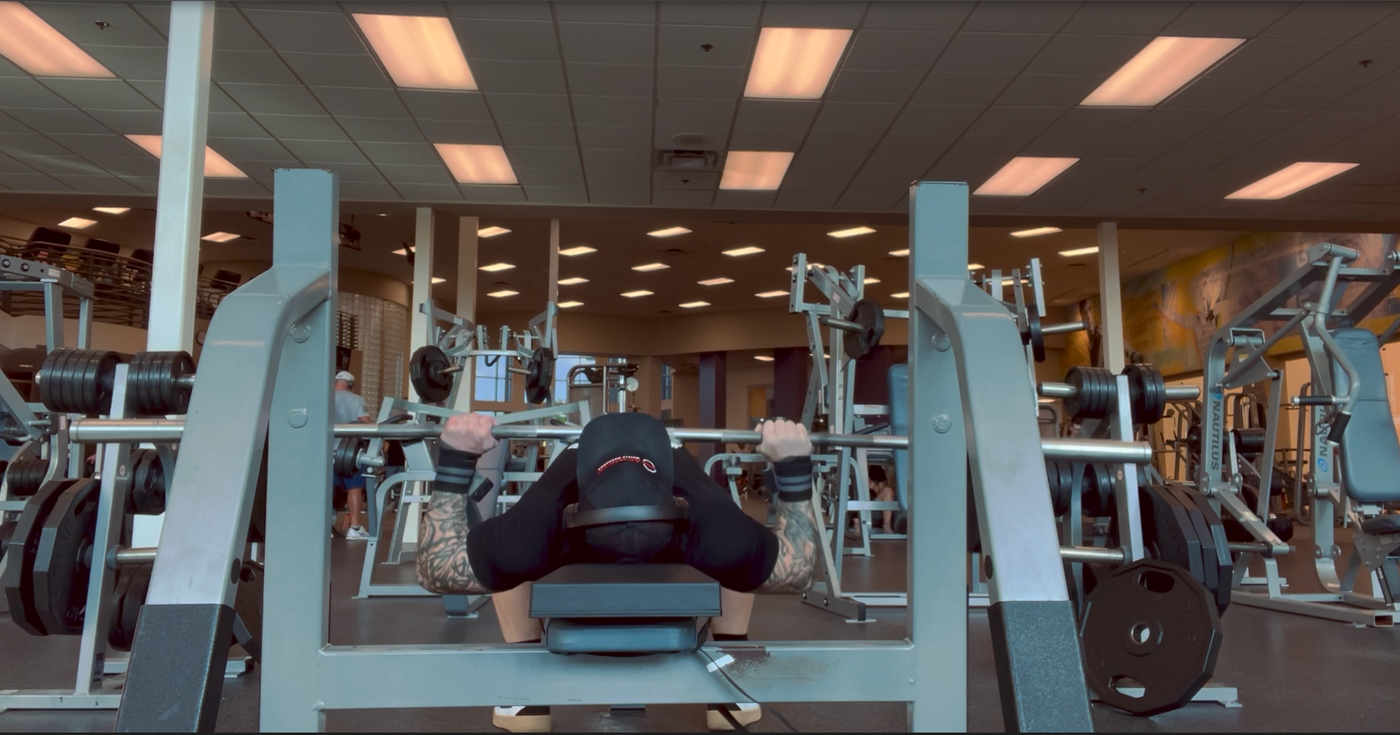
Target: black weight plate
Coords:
[(1096, 498), (60, 569), (540, 381), (1034, 336), (69, 386), (135, 597), (50, 380), (169, 392), (140, 479), (1074, 404), (7, 531), (181, 365), (1150, 622), (105, 379), (871, 318), (119, 637), (1147, 393), (248, 604), (1217, 550), (24, 547), (425, 373), (148, 483), (1167, 532), (138, 384), (25, 476), (1210, 565), (1061, 486)]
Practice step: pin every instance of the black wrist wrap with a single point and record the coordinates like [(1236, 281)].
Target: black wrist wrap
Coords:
[(793, 479), (455, 471)]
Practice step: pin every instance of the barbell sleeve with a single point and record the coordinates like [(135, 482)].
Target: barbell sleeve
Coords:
[(841, 324), (1065, 328), (1091, 555)]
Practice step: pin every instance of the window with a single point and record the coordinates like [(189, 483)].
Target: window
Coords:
[(666, 371), (562, 365), (492, 380)]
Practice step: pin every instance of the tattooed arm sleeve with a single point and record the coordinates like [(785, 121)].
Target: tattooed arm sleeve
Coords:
[(442, 563), (797, 548)]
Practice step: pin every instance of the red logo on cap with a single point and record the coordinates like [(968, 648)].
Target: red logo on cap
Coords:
[(650, 467)]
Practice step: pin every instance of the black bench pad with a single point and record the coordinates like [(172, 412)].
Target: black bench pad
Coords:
[(625, 591), (1381, 525)]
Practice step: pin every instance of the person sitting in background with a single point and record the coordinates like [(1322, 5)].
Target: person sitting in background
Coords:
[(880, 490), (350, 409)]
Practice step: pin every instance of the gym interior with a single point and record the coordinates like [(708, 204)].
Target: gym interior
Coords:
[(1088, 309)]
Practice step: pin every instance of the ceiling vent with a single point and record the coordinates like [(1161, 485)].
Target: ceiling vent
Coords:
[(687, 160)]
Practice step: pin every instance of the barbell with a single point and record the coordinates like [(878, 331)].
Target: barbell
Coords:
[(1092, 393), (97, 431)]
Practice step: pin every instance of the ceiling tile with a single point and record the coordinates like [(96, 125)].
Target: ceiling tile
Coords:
[(234, 188), (892, 172), (1267, 58), (1100, 121), (1100, 56), (1219, 93), (325, 151), (155, 92), (612, 161), (941, 119), (617, 180), (777, 114), (131, 62), (694, 113), (1004, 147), (609, 11), (381, 130), (99, 94), (896, 141), (334, 70), (146, 184), (221, 124), (719, 82), (538, 134), (529, 108), (274, 99), (682, 199), (407, 154), (917, 16), (509, 9), (987, 53), (628, 80), (686, 180), (1380, 140), (508, 40), (1226, 19), (1304, 94), (855, 116), (1051, 144), (558, 176), (1252, 124), (251, 67), (945, 88), (1331, 126), (808, 200), (710, 12), (596, 110), (1280, 148), (534, 77), (430, 192), (1384, 30), (58, 165), (397, 174), (12, 166), (491, 193), (147, 122), (231, 29), (10, 125), (353, 173), (99, 184), (745, 199), (685, 45), (453, 131), (1146, 18), (556, 195), (25, 92), (1356, 61), (10, 70), (32, 144), (973, 170), (1043, 90), (360, 102), (316, 33), (755, 139), (831, 141), (821, 172), (78, 21), (1174, 123), (1382, 96), (878, 50), (1000, 120), (1336, 21), (812, 14), (874, 86), (58, 121), (373, 192), (614, 136), (608, 43), (869, 199), (33, 182), (446, 105), (303, 127), (621, 197), (108, 145)]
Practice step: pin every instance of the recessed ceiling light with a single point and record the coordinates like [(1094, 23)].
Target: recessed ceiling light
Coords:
[(635, 294), (502, 293), (852, 232), (1080, 251), (220, 237), (975, 266), (491, 231), (496, 267), (418, 52), (1291, 180), (795, 63), (746, 250), (578, 250), (763, 358), (569, 304), (715, 281), (112, 210), (694, 304), (1037, 231), (39, 49), (439, 279), (1023, 176), (650, 267), (869, 281), (771, 294), (810, 266), (215, 165), (477, 164), (77, 223), (901, 253), (900, 295), (668, 232), (1166, 65), (754, 170), (383, 214), (573, 281)]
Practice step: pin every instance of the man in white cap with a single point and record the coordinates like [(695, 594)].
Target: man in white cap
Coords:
[(350, 409)]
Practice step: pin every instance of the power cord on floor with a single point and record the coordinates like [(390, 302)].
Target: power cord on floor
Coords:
[(747, 697)]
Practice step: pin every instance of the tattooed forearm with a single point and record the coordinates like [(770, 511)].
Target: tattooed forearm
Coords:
[(442, 563), (797, 548)]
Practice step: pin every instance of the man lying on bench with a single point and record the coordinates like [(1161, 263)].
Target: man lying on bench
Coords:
[(624, 466)]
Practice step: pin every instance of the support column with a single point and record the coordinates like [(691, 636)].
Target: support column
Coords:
[(422, 283), (179, 195), (790, 365), (466, 298), (554, 261), (713, 397), (1110, 299)]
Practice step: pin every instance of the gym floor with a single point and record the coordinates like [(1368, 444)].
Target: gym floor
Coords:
[(1293, 673)]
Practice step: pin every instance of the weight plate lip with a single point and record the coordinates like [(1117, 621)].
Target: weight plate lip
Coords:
[(19, 572), (1218, 555), (49, 380), (135, 399), (1165, 508), (117, 636), (60, 577), (1210, 578)]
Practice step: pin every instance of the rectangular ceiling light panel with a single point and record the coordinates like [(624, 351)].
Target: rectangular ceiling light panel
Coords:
[(645, 267), (694, 304), (1079, 251), (1036, 232), (763, 358), (1166, 65), (77, 223), (747, 250), (635, 294), (418, 52), (569, 304), (1023, 176), (900, 295), (1292, 180), (573, 281), (39, 49), (852, 232), (215, 165), (578, 250), (220, 237), (754, 170), (975, 266), (771, 294), (795, 63), (491, 231), (668, 232), (495, 267), (439, 279), (715, 281), (112, 210), (477, 164), (502, 293)]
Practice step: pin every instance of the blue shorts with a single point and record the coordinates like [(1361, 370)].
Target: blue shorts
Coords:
[(350, 483)]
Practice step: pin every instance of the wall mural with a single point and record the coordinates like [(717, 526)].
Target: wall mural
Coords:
[(1170, 314)]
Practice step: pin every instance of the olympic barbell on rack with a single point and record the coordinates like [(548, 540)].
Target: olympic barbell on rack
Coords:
[(431, 372), (1092, 393)]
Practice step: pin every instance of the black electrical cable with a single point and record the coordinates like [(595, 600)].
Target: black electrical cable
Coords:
[(747, 697)]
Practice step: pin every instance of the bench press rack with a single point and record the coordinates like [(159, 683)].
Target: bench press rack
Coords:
[(273, 339)]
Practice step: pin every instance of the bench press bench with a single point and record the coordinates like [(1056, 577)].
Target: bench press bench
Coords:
[(624, 608)]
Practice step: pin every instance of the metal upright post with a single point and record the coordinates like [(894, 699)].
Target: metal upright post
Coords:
[(299, 491), (553, 261), (466, 302), (1110, 299), (420, 330)]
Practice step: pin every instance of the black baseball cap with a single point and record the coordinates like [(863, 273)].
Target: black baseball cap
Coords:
[(625, 461)]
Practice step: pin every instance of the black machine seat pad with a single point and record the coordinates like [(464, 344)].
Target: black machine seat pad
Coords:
[(1370, 454), (625, 591), (1381, 525)]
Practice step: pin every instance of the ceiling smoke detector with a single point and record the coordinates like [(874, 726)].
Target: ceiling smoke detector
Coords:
[(690, 140), (687, 160)]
